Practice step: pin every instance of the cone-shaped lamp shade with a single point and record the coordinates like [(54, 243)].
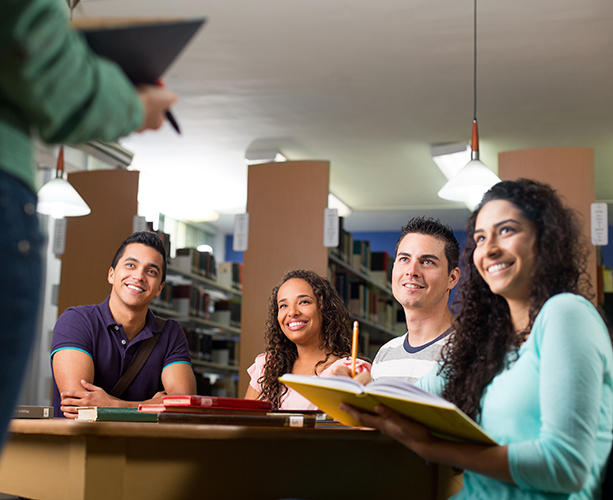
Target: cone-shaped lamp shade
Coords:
[(59, 199), (470, 183)]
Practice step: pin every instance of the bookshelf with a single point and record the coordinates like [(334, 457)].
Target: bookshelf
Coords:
[(213, 341)]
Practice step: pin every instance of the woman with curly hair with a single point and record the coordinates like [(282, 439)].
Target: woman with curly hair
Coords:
[(531, 359), (308, 332)]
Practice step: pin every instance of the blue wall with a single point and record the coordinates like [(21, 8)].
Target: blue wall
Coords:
[(386, 241), (231, 255)]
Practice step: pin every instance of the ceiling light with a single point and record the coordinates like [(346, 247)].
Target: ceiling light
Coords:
[(58, 198), (471, 182), (334, 202), (268, 156), (205, 248)]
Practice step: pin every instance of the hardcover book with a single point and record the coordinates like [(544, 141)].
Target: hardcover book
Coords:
[(243, 420), (213, 401), (213, 410), (113, 414), (443, 418), (27, 411)]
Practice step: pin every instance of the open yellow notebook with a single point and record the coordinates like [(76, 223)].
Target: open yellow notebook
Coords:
[(442, 417)]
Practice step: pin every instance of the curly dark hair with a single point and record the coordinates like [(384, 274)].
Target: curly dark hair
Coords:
[(282, 352), (484, 334)]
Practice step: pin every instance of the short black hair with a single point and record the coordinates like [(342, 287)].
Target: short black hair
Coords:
[(435, 228), (147, 238)]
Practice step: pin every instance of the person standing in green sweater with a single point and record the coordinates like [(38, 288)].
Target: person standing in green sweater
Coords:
[(52, 85)]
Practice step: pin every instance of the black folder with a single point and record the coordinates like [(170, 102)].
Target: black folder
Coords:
[(144, 49)]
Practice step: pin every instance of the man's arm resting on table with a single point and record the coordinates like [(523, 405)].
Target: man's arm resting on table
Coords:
[(74, 373), (179, 378)]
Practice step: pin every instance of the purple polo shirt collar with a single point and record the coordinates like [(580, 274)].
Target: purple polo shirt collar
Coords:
[(151, 325)]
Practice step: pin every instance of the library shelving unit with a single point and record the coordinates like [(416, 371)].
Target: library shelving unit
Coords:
[(374, 307), (218, 364)]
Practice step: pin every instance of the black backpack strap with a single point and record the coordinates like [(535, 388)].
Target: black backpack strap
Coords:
[(144, 351)]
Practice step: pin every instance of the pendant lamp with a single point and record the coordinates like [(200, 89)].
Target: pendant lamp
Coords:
[(473, 180), (58, 198)]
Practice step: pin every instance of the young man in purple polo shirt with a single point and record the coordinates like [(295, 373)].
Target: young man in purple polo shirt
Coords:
[(94, 345)]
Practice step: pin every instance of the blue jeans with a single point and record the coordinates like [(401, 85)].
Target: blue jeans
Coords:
[(20, 288)]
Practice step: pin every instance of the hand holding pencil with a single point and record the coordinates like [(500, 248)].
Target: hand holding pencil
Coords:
[(350, 368), (156, 102)]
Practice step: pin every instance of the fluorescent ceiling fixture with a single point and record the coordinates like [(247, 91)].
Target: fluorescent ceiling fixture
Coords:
[(268, 156), (58, 198), (450, 157), (334, 202)]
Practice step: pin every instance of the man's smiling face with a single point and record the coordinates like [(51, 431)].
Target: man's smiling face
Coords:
[(420, 276), (137, 277)]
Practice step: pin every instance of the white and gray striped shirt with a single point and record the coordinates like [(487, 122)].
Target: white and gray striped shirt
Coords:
[(397, 359)]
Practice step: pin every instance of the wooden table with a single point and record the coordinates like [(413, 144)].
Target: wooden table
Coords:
[(66, 460)]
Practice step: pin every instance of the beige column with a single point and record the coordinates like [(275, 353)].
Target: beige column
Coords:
[(91, 241), (286, 203), (568, 170)]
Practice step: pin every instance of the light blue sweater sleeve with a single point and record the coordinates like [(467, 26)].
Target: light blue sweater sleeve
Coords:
[(432, 382), (574, 356)]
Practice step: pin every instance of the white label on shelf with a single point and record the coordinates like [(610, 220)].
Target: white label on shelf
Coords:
[(331, 227), (59, 236), (600, 229), (139, 223), (241, 233)]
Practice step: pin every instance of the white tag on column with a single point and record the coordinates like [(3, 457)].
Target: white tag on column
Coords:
[(139, 223), (59, 236), (331, 227), (241, 233), (600, 226)]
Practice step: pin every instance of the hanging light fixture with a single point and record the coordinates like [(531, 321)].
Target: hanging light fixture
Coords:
[(58, 198), (470, 184)]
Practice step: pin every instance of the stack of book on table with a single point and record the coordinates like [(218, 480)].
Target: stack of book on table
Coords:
[(202, 410)]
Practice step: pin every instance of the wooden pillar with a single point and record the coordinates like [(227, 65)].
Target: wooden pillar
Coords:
[(91, 241), (570, 171), (286, 203)]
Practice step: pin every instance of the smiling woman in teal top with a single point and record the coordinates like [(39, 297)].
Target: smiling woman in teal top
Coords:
[(531, 359)]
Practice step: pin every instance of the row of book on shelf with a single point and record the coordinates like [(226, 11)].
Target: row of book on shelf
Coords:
[(210, 347), (197, 301), (202, 263), (357, 254)]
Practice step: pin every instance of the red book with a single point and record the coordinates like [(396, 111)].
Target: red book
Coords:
[(217, 402), (161, 408)]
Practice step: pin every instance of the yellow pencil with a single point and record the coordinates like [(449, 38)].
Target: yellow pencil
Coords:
[(354, 348)]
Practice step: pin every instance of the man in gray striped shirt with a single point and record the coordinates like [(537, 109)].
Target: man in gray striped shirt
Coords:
[(425, 271)]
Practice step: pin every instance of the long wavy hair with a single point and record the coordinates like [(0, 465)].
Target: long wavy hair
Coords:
[(484, 335), (282, 352)]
